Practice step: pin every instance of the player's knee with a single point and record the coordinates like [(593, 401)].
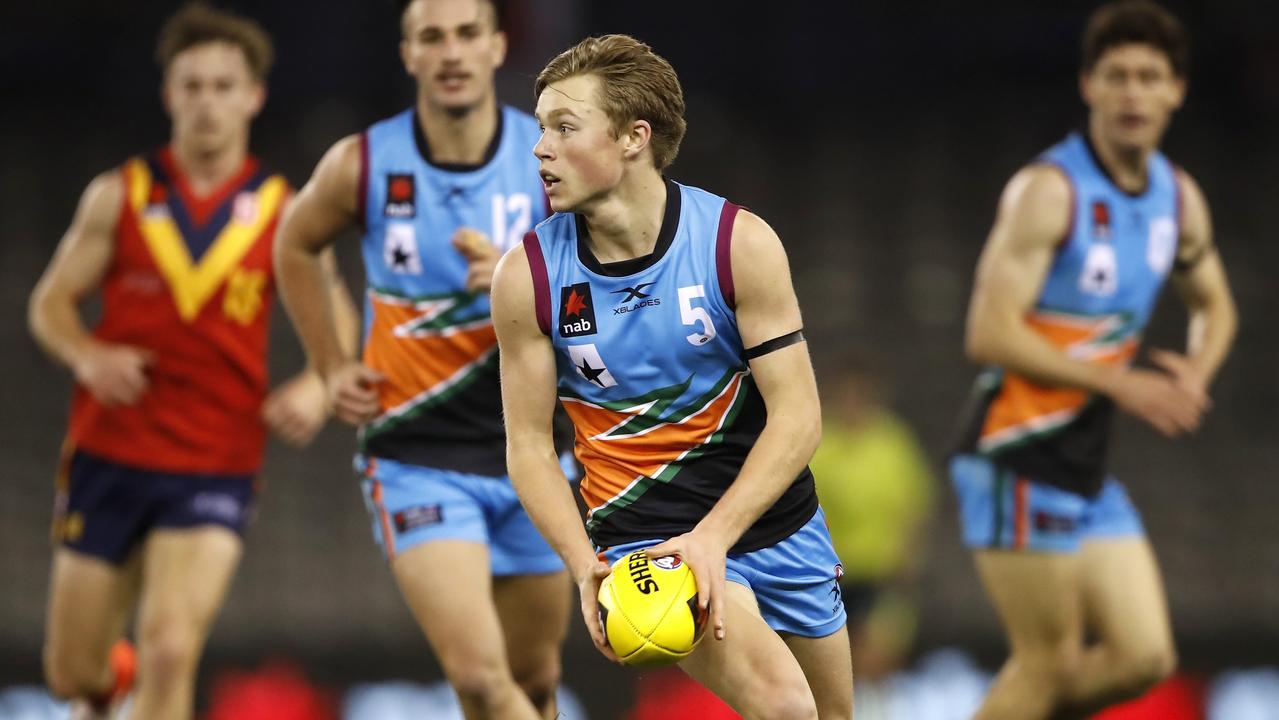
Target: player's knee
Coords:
[(67, 676), (792, 701), (539, 683), (1048, 670), (1141, 671), (168, 652), (476, 680)]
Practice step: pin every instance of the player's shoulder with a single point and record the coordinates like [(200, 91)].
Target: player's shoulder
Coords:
[(520, 125), (1039, 187)]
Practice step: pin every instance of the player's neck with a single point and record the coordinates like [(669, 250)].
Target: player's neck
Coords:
[(459, 138), (205, 171), (625, 225), (1125, 166)]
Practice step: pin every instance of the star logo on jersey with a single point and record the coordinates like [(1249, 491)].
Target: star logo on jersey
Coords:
[(401, 196), (577, 312), (589, 364), (399, 249)]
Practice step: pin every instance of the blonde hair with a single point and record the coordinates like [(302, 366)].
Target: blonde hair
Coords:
[(198, 23), (635, 84)]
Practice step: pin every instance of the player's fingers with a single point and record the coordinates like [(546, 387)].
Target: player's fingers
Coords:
[(1173, 362), (666, 549), (369, 377), (717, 607)]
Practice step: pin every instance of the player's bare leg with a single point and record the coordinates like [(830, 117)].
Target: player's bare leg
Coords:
[(448, 588), (1037, 596), (534, 612), (186, 573), (1124, 603), (89, 604), (827, 663), (751, 669)]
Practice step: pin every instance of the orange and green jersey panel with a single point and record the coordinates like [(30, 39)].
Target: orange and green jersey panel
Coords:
[(1094, 306)]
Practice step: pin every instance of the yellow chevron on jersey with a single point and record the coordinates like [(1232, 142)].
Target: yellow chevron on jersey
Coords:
[(192, 283)]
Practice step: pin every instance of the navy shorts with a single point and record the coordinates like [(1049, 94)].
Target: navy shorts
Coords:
[(106, 509)]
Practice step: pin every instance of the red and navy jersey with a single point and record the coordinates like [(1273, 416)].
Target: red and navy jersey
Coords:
[(191, 280)]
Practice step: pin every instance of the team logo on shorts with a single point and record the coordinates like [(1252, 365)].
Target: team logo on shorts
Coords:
[(670, 562), (401, 196), (577, 312), (417, 516)]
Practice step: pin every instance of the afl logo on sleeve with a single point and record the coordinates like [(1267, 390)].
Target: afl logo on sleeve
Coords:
[(401, 196), (589, 364), (577, 312)]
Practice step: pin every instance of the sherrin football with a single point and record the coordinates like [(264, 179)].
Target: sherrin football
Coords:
[(648, 609)]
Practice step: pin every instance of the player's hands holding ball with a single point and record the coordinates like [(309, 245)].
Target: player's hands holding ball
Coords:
[(589, 579), (706, 554), (481, 258)]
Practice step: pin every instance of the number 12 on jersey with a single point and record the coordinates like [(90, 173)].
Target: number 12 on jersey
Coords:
[(689, 314)]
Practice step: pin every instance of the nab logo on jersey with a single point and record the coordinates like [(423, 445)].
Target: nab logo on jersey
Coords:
[(577, 313), (401, 196)]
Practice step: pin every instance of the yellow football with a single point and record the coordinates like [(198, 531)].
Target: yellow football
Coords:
[(648, 609)]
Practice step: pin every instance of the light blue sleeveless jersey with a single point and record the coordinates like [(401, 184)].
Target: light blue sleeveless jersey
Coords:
[(433, 340), (651, 371), (1095, 303)]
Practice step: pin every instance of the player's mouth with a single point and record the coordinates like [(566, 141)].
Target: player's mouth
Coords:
[(1133, 121), (452, 80), (549, 181)]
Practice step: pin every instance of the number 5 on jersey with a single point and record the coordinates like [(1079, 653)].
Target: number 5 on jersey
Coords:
[(690, 315)]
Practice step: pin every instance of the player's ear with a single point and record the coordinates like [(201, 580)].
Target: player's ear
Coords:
[(1084, 77), (637, 137), (259, 98), (499, 48), (404, 56), (1179, 91)]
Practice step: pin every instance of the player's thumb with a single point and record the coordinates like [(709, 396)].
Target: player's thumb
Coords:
[(145, 355), (369, 376)]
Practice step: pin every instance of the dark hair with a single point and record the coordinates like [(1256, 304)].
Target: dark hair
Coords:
[(1135, 21), (198, 23), (402, 5), (635, 84)]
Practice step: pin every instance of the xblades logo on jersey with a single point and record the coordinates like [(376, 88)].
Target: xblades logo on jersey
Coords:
[(633, 293), (577, 312)]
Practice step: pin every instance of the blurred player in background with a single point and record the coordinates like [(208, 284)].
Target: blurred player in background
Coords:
[(878, 493), (440, 191), (1084, 238), (666, 322), (166, 434)]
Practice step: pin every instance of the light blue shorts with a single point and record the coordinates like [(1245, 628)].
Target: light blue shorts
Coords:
[(999, 509), (410, 505), (796, 581)]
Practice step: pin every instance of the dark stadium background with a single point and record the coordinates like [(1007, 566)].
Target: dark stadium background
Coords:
[(875, 137)]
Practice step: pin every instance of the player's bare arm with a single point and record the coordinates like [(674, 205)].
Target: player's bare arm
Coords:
[(1200, 280), (1033, 216), (528, 403), (767, 310), (315, 299), (114, 373)]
